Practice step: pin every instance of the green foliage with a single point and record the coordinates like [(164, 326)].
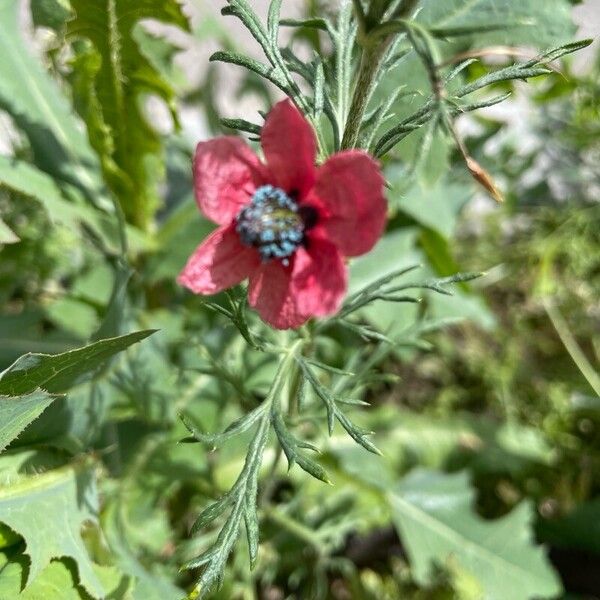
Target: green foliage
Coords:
[(17, 412), (48, 510), (7, 236), (434, 515), (57, 581), (23, 178), (110, 80), (57, 373), (504, 22), (39, 109), (100, 499)]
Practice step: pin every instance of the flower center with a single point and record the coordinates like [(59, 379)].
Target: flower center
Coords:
[(272, 223)]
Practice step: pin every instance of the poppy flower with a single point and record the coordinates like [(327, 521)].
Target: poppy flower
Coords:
[(285, 224)]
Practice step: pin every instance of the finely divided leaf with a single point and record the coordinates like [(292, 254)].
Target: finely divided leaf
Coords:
[(57, 372), (434, 515), (17, 412)]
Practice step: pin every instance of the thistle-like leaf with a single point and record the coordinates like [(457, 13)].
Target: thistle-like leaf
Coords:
[(290, 446), (237, 427), (112, 76)]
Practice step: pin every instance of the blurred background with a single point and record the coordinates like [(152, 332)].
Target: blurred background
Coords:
[(497, 406)]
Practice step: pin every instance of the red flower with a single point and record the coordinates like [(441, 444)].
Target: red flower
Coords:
[(286, 225)]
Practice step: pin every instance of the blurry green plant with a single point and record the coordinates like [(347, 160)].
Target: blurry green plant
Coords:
[(93, 439)]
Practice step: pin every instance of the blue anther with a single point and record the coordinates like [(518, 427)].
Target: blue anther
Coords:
[(272, 223)]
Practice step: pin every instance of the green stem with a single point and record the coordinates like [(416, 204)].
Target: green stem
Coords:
[(295, 528), (286, 363), (370, 63), (573, 348), (374, 51)]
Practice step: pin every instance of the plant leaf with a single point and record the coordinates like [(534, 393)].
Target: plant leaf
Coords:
[(7, 235), (538, 23), (26, 179), (111, 76), (50, 13), (434, 514), (49, 510), (57, 372), (57, 581), (17, 412), (36, 104), (148, 585)]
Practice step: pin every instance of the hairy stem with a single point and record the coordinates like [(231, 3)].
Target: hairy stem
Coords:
[(372, 57), (370, 62)]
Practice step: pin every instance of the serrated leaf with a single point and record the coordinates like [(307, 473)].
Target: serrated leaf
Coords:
[(49, 510), (434, 515), (57, 372), (112, 77), (58, 581), (17, 412), (55, 582)]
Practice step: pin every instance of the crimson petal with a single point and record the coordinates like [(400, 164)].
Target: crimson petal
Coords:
[(312, 285), (226, 175), (271, 296), (288, 142), (221, 261), (320, 278), (349, 197)]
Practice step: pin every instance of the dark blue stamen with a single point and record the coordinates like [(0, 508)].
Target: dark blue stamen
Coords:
[(272, 223)]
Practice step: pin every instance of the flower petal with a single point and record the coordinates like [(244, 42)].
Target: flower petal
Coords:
[(349, 196), (226, 174), (288, 142), (221, 261), (270, 295), (313, 285), (320, 278)]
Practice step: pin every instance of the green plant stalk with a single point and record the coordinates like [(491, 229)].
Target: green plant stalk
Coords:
[(573, 348), (370, 63), (374, 51), (297, 529), (284, 366)]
